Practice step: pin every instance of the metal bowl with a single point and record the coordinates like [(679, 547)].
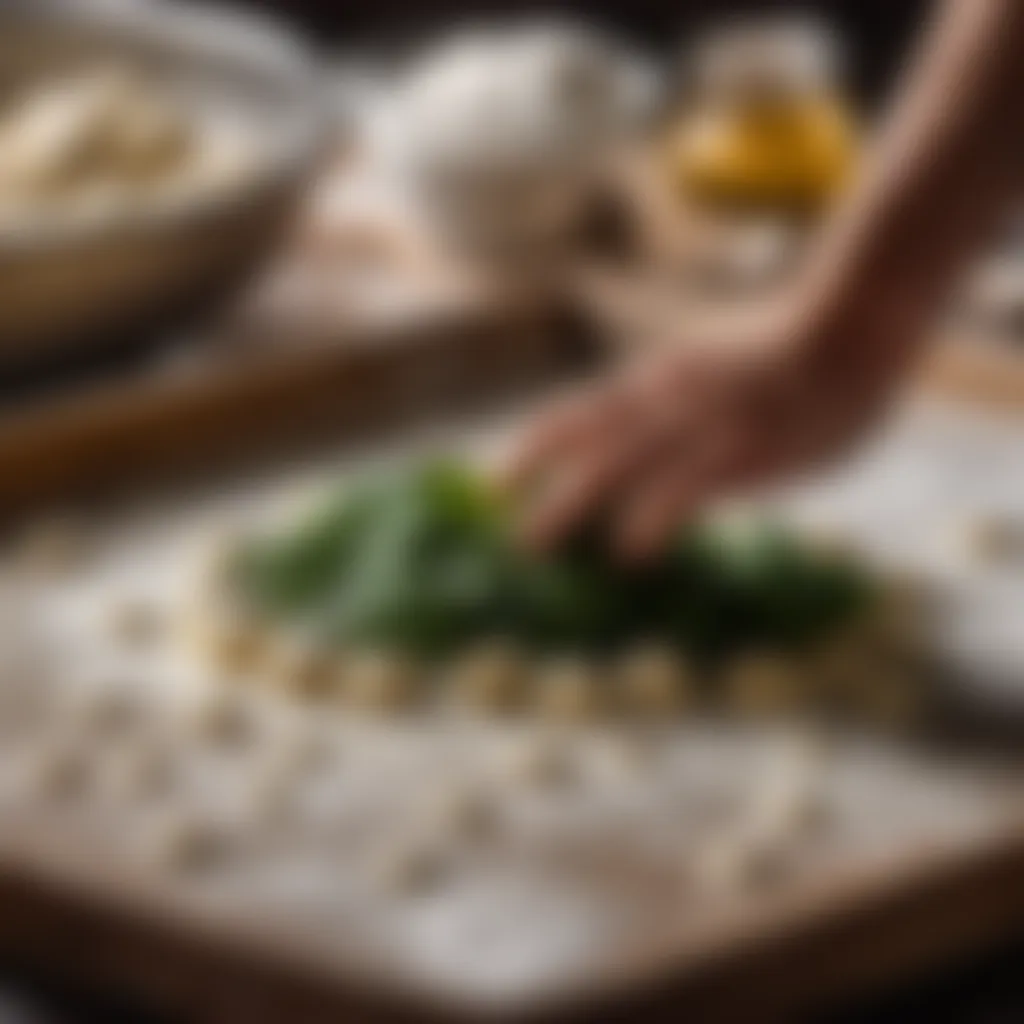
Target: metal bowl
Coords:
[(76, 285)]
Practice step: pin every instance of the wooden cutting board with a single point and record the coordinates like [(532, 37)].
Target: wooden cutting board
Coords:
[(571, 923), (587, 908)]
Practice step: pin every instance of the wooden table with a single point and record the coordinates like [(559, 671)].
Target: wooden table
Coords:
[(600, 923)]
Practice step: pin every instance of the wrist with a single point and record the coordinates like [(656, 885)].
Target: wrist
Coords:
[(857, 339)]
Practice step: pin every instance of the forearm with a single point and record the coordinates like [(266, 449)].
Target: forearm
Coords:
[(949, 160)]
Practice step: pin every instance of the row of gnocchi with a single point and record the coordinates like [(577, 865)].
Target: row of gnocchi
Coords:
[(111, 756), (872, 672)]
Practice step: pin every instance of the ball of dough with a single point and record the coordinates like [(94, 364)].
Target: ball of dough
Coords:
[(232, 638), (375, 681), (301, 666), (568, 690), (491, 677), (892, 696), (56, 769), (758, 684), (461, 811), (180, 841), (106, 708), (653, 680), (221, 714), (142, 770), (736, 864), (412, 868)]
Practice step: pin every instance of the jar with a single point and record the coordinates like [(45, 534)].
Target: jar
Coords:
[(767, 125)]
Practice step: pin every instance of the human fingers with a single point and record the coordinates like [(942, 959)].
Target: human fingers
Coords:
[(583, 484), (677, 488), (573, 421), (652, 423)]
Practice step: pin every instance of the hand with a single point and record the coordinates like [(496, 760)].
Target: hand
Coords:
[(648, 447)]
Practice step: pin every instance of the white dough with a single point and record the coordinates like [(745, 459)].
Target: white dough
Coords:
[(568, 690), (374, 681), (653, 680), (759, 684), (491, 677)]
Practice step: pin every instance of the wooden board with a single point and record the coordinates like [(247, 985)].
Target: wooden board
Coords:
[(606, 926), (586, 911)]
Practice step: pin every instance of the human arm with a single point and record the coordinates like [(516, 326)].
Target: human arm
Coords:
[(652, 443)]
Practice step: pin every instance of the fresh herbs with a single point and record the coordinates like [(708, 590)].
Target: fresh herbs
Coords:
[(424, 562)]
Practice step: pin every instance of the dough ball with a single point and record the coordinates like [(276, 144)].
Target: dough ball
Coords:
[(492, 677), (233, 639), (759, 684), (461, 811), (56, 769), (375, 681), (653, 680), (568, 690), (301, 666), (143, 770), (738, 864), (106, 708), (892, 696), (180, 841), (221, 714), (412, 868)]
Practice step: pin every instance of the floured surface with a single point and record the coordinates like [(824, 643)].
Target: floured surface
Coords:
[(581, 872), (914, 498)]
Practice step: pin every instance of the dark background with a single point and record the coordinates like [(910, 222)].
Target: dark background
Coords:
[(878, 32)]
